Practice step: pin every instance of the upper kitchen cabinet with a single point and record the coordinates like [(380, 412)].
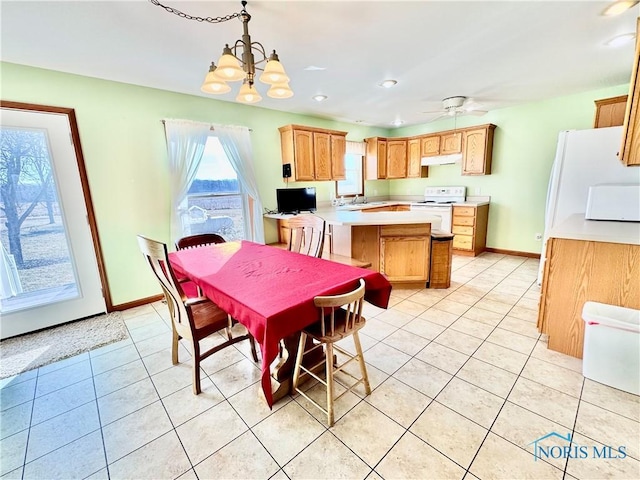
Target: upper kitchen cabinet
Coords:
[(477, 150), (610, 112), (630, 150), (313, 153), (376, 158), (414, 169), (396, 158), (445, 143), (386, 158)]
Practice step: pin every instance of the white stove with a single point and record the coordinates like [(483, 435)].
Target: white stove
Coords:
[(438, 202)]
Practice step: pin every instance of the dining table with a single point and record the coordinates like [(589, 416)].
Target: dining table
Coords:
[(271, 292)]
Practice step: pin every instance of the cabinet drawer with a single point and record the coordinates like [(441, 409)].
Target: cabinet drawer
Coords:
[(463, 242), (464, 211), (467, 221), (404, 230), (460, 230)]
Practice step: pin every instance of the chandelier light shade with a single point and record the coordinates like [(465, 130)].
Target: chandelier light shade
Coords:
[(248, 94), (239, 63), (213, 84)]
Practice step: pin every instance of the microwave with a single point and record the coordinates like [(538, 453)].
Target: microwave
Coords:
[(617, 202)]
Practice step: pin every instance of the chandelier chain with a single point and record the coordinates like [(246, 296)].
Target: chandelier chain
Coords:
[(198, 19)]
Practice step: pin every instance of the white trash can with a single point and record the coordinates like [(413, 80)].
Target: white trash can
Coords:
[(611, 352)]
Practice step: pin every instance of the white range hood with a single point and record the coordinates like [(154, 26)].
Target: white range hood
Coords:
[(441, 159)]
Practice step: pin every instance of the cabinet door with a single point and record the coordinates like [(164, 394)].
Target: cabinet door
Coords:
[(474, 161), (413, 147), (404, 258), (430, 146), (322, 155), (451, 143), (396, 159), (338, 150), (382, 159), (610, 112), (303, 144)]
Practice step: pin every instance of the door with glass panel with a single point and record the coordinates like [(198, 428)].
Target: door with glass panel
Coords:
[(48, 266)]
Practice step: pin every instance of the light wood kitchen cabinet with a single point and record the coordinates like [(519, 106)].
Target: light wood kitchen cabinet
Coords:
[(313, 153), (397, 158), (577, 271), (376, 158), (414, 169), (404, 252), (477, 150), (430, 145), (630, 150), (469, 227), (451, 143), (610, 112)]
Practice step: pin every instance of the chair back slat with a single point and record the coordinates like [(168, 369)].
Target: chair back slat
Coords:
[(349, 305), (307, 234)]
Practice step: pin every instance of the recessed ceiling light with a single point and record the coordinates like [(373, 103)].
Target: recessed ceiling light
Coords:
[(621, 40), (388, 83), (319, 98), (313, 68), (359, 121), (397, 123), (616, 8)]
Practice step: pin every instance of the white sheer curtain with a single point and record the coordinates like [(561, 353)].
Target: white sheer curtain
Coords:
[(236, 143), (185, 144)]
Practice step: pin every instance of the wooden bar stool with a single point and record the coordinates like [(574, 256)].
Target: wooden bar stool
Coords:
[(341, 316)]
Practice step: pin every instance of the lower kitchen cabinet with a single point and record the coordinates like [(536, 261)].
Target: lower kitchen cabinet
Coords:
[(404, 252), (469, 226), (577, 271)]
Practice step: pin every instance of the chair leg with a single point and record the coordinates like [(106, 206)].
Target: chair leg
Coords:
[(174, 345), (363, 367), (329, 362), (228, 329), (254, 354), (299, 355), (196, 368)]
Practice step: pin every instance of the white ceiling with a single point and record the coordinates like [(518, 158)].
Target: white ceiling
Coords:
[(499, 53)]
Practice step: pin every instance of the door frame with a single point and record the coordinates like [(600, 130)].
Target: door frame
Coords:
[(75, 137)]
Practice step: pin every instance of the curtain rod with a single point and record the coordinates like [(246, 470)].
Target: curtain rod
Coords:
[(211, 126)]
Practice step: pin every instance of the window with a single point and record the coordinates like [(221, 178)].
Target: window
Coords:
[(214, 200), (353, 183)]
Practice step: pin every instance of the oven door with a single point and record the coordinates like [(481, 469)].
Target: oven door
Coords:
[(445, 212)]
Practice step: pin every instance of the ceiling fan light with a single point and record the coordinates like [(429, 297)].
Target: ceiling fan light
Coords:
[(213, 84), (248, 94), (228, 67), (616, 8), (280, 90), (274, 71)]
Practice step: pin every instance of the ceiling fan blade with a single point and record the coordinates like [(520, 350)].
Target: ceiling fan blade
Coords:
[(477, 113)]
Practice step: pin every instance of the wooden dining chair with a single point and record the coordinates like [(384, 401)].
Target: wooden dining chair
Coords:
[(341, 316), (199, 240), (307, 234), (191, 318)]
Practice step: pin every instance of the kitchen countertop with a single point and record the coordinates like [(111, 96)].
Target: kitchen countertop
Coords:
[(356, 217), (576, 227)]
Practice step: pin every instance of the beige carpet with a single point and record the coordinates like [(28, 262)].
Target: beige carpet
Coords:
[(33, 350)]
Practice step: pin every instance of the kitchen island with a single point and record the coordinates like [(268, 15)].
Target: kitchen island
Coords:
[(396, 243), (586, 260)]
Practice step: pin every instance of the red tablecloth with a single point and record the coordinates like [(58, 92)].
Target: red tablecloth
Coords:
[(270, 290)]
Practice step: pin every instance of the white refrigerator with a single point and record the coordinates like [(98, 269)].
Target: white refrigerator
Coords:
[(583, 158)]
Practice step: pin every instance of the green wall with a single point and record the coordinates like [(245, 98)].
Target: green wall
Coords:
[(124, 148)]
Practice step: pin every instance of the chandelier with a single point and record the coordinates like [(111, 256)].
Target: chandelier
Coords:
[(238, 63)]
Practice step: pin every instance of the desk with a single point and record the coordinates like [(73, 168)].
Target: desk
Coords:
[(270, 290)]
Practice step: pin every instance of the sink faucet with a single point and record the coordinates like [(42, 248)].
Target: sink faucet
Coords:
[(355, 200)]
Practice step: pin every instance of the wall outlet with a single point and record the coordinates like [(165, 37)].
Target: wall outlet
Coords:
[(477, 191), (538, 237), (375, 191)]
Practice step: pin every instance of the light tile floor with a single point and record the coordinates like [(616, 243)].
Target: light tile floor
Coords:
[(463, 384)]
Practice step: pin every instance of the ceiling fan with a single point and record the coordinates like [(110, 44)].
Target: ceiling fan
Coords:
[(458, 106)]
